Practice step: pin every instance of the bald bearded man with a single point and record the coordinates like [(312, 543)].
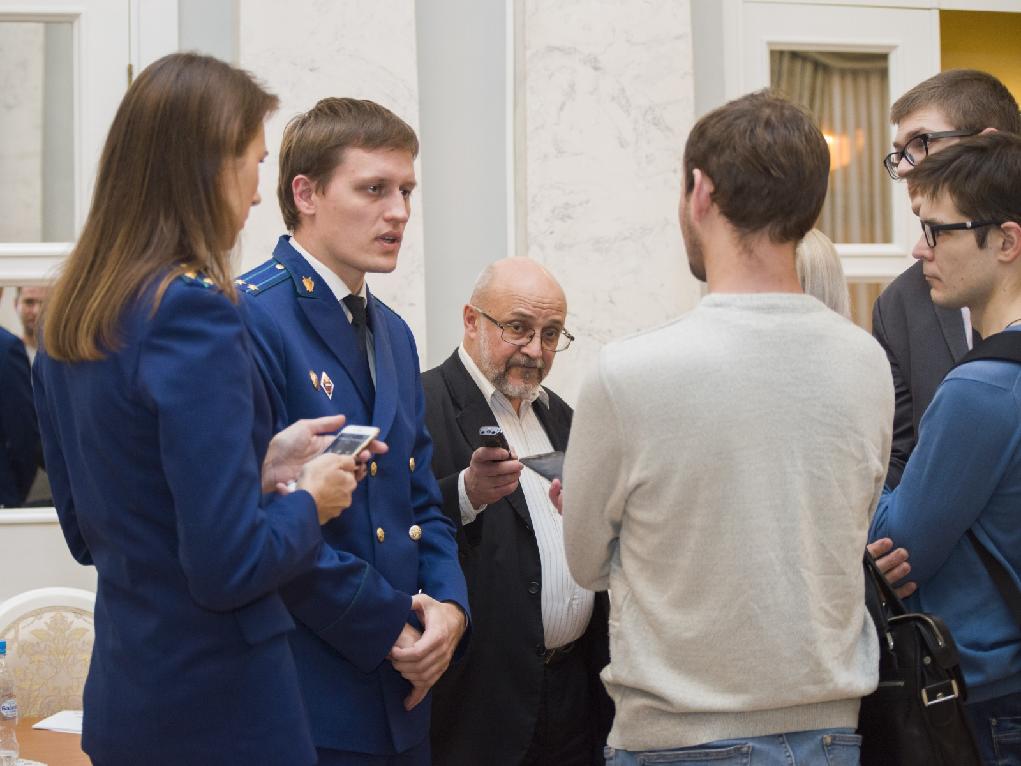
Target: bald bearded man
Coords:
[(528, 690)]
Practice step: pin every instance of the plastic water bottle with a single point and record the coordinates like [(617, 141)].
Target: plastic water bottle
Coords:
[(8, 712)]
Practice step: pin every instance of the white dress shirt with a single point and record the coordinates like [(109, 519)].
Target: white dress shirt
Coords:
[(340, 291), (566, 606)]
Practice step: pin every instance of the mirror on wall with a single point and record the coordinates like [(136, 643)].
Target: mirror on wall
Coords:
[(23, 480), (36, 131)]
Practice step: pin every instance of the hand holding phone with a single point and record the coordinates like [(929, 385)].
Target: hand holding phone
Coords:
[(352, 440), (493, 437), (491, 475)]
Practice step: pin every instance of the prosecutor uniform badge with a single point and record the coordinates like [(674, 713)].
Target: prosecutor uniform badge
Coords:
[(314, 378), (327, 384), (309, 284)]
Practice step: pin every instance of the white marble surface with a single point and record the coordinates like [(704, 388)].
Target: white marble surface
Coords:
[(609, 100), (306, 50), (21, 131)]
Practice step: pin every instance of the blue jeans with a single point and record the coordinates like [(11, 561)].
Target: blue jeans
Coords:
[(822, 747), (997, 727)]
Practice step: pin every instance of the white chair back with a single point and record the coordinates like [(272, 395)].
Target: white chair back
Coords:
[(49, 634)]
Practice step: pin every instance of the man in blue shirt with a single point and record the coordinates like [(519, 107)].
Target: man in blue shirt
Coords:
[(380, 617), (923, 340), (965, 472)]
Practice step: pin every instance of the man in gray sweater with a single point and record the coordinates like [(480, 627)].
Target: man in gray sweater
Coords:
[(722, 471)]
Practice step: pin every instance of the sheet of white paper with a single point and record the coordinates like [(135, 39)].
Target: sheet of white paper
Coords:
[(69, 721)]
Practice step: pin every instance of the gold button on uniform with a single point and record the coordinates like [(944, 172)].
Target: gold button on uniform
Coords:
[(380, 534), (415, 533), (411, 464), (372, 468)]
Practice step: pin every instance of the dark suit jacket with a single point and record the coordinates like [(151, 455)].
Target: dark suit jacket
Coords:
[(155, 454), (485, 708), (922, 342), (393, 541), (20, 449)]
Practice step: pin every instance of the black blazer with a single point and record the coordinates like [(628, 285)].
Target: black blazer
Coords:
[(922, 342), (485, 707)]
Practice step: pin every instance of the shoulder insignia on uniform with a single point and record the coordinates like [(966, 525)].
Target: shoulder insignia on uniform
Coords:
[(197, 279), (263, 276)]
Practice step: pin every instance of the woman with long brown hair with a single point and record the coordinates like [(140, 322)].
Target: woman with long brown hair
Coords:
[(156, 432)]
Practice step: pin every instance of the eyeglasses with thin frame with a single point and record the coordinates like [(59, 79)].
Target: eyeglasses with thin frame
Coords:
[(917, 149), (519, 334), (932, 230)]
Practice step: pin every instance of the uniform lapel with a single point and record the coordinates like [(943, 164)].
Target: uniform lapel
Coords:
[(386, 370), (323, 311)]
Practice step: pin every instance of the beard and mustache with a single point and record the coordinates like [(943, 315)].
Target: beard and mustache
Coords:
[(527, 388)]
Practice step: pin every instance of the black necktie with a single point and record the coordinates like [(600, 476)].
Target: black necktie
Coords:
[(356, 305)]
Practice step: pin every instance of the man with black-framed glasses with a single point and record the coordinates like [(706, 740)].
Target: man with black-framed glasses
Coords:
[(528, 691), (964, 476), (923, 341)]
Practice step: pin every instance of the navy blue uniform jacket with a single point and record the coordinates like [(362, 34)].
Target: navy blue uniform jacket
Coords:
[(154, 456), (19, 436), (352, 607)]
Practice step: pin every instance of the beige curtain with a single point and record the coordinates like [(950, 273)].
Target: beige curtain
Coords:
[(848, 93)]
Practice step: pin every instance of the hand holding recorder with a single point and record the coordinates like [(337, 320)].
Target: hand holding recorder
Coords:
[(494, 469)]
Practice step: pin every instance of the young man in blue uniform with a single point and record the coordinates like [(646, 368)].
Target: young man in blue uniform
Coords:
[(380, 617)]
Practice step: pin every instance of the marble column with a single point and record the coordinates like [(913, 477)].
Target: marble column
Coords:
[(608, 100), (306, 50)]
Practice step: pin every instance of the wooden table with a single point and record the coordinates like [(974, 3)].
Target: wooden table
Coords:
[(53, 748)]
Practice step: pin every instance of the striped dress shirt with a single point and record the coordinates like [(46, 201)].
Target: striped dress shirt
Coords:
[(566, 606)]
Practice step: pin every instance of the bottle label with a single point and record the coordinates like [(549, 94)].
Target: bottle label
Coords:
[(9, 709)]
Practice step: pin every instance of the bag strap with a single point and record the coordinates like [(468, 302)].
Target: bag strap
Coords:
[(1004, 346), (1000, 576)]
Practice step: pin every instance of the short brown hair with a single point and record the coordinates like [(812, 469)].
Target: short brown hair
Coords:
[(159, 207), (314, 143), (982, 175), (969, 99), (768, 162)]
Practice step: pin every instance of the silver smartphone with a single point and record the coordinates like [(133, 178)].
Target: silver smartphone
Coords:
[(353, 439)]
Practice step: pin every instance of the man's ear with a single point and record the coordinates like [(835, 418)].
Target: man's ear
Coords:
[(1010, 246), (471, 321), (987, 130), (303, 189), (701, 197)]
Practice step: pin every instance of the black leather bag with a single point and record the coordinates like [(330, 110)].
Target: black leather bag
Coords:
[(916, 717)]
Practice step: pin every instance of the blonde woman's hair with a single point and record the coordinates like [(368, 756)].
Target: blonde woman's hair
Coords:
[(159, 208), (820, 272)]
